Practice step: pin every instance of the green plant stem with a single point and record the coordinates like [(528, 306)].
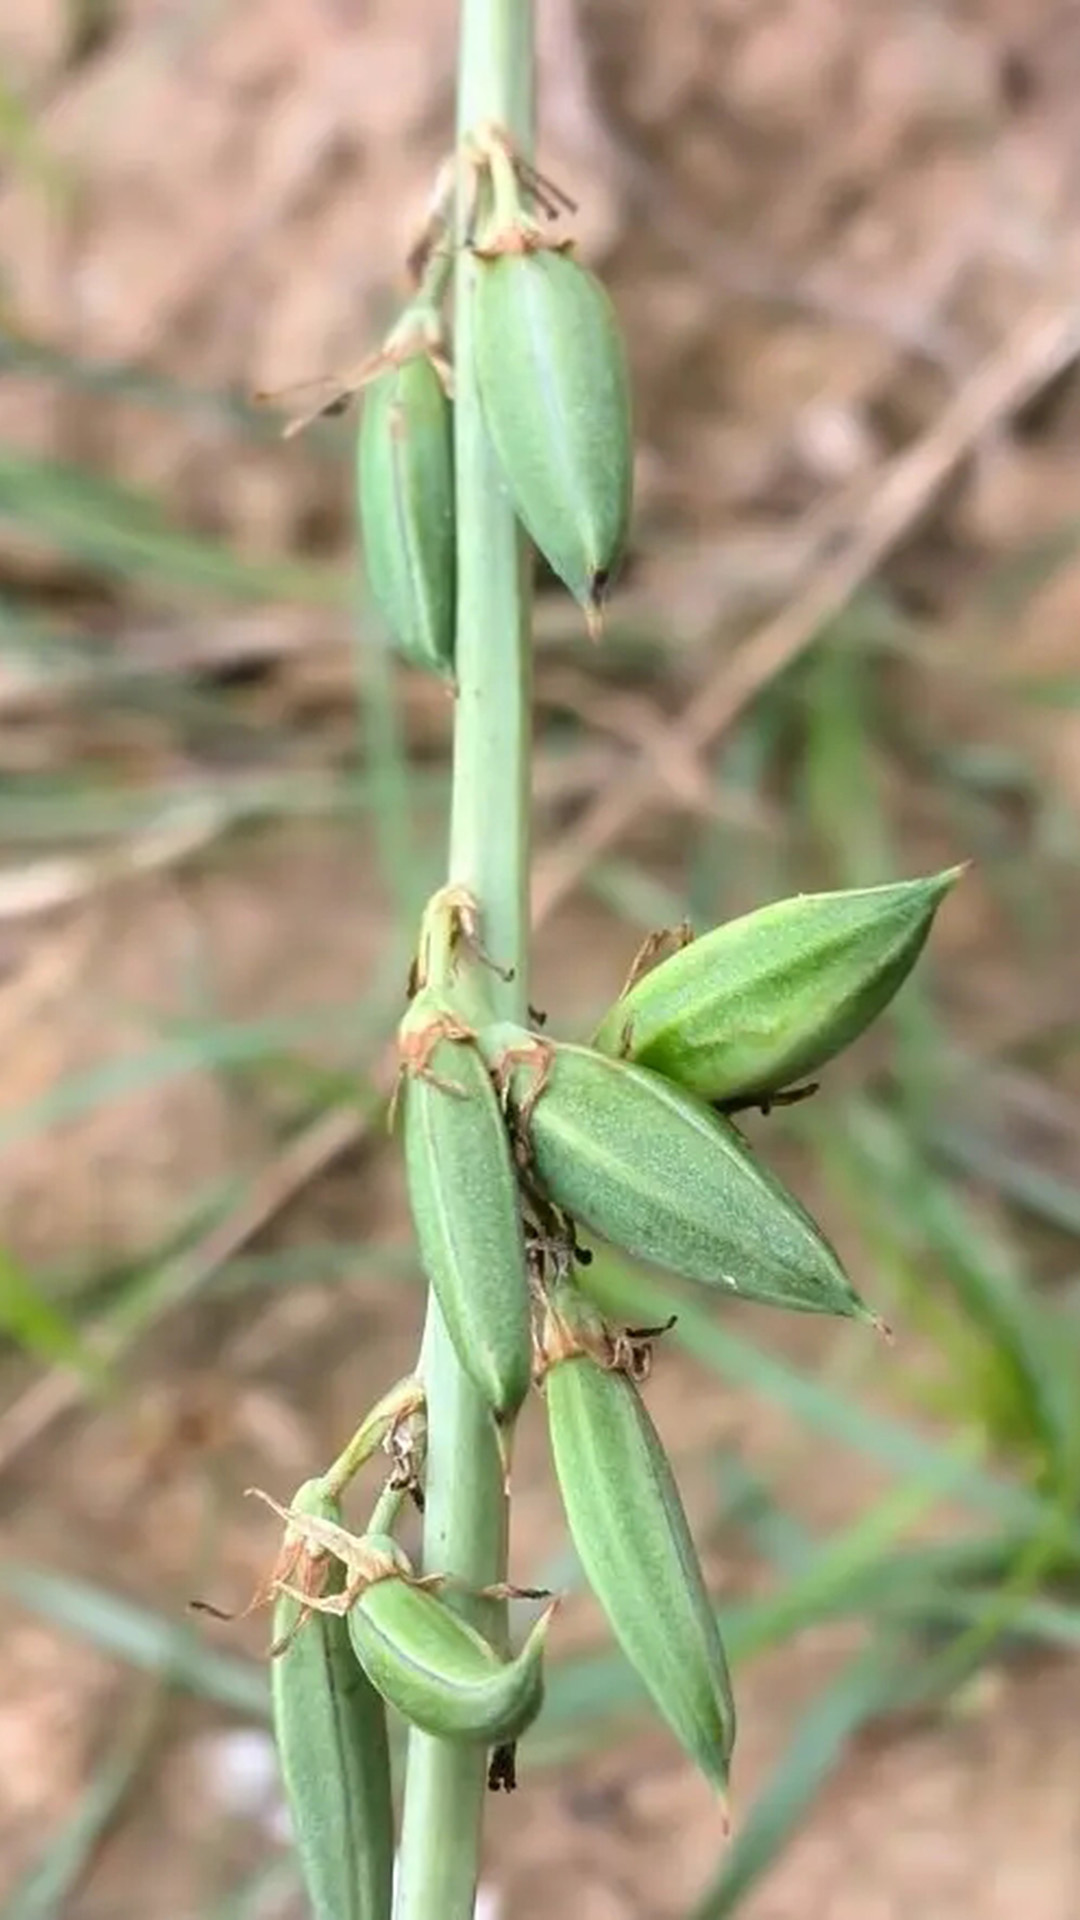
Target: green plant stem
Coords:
[(466, 1522)]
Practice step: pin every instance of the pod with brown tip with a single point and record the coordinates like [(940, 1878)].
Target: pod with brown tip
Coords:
[(438, 1671), (766, 1000), (556, 400), (405, 486), (658, 1173), (463, 1194), (628, 1526), (331, 1737)]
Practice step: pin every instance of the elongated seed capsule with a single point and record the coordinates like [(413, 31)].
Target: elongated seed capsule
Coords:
[(555, 393), (630, 1531), (465, 1204), (661, 1175), (406, 503), (760, 1003), (330, 1731), (437, 1671)]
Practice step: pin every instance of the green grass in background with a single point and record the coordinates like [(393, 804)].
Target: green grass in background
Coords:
[(973, 1551)]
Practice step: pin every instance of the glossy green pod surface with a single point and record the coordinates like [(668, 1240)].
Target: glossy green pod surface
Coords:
[(661, 1175), (331, 1737), (628, 1525), (438, 1672), (555, 392), (463, 1194), (766, 1000), (405, 492)]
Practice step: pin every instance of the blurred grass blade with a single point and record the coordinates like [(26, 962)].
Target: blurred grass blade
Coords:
[(861, 1691), (854, 1575), (140, 1637), (29, 1317), (1032, 1188), (123, 533), (831, 1582), (203, 1049), (272, 1889), (317, 1263), (382, 747), (888, 1182), (23, 148), (840, 773), (208, 1047), (46, 1890), (736, 860), (636, 1299), (123, 380), (79, 808), (634, 895), (749, 1505), (1012, 580), (1055, 690)]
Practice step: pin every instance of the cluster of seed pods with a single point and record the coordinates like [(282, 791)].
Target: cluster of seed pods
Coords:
[(517, 1142)]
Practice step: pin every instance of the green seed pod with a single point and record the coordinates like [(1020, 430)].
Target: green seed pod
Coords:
[(661, 1175), (463, 1194), (765, 1000), (330, 1730), (630, 1531), (436, 1670), (406, 503), (555, 393)]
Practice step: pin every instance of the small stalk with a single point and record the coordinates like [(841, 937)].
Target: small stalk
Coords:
[(466, 1521)]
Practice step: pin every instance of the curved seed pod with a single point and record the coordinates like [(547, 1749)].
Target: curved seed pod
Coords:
[(628, 1526), (330, 1730), (436, 1670), (406, 503), (463, 1194), (661, 1175), (765, 1000), (555, 393)]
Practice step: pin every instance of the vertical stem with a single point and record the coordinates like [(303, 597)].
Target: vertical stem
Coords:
[(466, 1522)]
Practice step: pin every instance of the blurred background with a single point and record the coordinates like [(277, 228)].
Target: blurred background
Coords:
[(843, 240)]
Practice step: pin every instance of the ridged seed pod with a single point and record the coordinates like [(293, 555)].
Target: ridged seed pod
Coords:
[(330, 1731), (630, 1531), (406, 505), (436, 1670), (463, 1194), (764, 1001), (555, 392), (661, 1175)]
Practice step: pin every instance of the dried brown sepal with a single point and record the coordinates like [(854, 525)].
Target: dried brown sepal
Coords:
[(571, 1330), (492, 150), (632, 1349), (450, 926), (417, 1043), (436, 231), (417, 1040), (520, 237), (538, 1055), (321, 1540), (336, 392), (296, 1562), (414, 337), (653, 945)]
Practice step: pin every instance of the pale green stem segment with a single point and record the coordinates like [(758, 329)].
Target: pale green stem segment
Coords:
[(465, 1528), (402, 1402)]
